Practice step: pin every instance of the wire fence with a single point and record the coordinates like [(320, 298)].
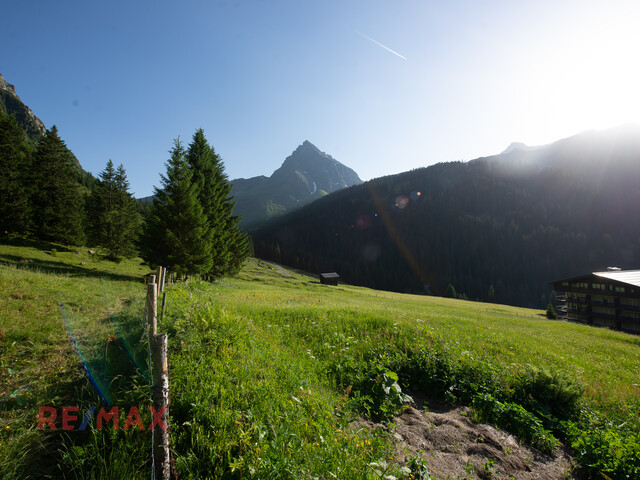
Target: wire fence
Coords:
[(161, 454)]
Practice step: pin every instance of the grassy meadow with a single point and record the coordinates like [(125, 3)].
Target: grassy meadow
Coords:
[(49, 295), (269, 370)]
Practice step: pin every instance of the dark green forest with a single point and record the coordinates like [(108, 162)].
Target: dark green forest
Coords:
[(45, 195), (496, 229)]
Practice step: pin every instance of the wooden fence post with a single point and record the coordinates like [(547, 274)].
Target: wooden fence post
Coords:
[(164, 302), (161, 454), (152, 306), (161, 281)]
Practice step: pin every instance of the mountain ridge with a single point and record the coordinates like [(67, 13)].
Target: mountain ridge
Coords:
[(304, 176), (11, 103)]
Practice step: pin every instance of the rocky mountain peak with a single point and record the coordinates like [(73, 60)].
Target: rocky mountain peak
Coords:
[(515, 146), (308, 149), (306, 175), (10, 102), (6, 86)]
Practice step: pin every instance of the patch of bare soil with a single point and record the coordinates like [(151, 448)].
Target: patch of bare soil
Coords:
[(453, 446)]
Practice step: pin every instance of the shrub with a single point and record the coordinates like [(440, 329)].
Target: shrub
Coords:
[(548, 392)]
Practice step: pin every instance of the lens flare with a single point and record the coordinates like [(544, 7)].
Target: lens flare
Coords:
[(401, 201), (397, 238), (92, 378), (363, 222), (141, 371)]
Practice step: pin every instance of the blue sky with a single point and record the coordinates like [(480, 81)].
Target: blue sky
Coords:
[(382, 86)]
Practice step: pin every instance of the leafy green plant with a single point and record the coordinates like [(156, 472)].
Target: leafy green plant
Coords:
[(387, 396), (418, 469), (601, 446), (488, 468), (515, 419)]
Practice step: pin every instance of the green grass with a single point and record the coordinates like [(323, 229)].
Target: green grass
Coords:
[(243, 348), (607, 362), (268, 372), (47, 291)]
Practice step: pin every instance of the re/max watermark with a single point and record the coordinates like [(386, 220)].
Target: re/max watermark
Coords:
[(70, 418)]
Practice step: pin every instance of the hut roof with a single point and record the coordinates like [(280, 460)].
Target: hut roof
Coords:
[(330, 275)]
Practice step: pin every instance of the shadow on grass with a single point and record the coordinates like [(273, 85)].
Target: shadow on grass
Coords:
[(30, 242), (51, 266)]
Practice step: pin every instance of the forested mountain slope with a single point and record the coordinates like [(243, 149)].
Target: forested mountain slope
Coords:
[(498, 228)]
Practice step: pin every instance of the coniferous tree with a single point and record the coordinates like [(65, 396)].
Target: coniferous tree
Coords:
[(129, 219), (100, 207), (57, 199), (113, 219), (229, 246), (15, 158), (177, 234)]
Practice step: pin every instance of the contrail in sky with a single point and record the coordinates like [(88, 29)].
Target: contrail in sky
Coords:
[(380, 45)]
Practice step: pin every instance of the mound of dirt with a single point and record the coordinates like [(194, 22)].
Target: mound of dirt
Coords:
[(452, 445)]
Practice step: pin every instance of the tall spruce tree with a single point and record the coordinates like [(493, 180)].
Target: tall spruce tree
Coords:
[(177, 234), (113, 219), (15, 158), (129, 219), (57, 200), (229, 246)]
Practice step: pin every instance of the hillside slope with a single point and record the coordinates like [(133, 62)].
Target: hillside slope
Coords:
[(498, 228), (10, 102)]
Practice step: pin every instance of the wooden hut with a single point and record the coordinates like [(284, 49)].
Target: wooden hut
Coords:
[(329, 278)]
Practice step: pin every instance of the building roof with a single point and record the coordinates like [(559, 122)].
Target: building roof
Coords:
[(631, 277), (330, 275)]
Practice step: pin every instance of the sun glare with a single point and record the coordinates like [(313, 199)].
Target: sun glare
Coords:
[(588, 79)]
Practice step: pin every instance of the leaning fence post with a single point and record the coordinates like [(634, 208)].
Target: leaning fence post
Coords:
[(161, 280), (152, 306), (161, 454)]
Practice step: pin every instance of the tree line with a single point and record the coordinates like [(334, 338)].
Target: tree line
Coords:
[(189, 226), (468, 230)]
